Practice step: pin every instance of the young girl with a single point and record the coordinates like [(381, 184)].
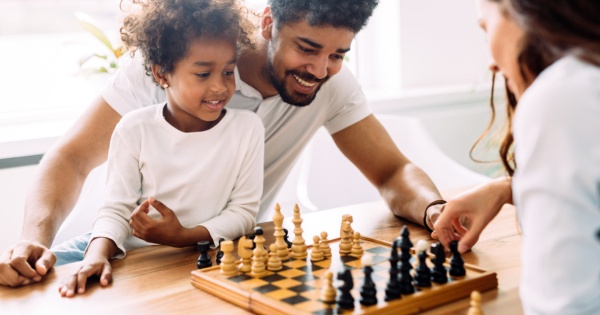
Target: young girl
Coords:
[(188, 153), (549, 53)]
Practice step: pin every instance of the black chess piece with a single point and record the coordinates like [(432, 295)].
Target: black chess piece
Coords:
[(405, 279), (285, 238), (345, 299), (219, 252), (457, 264), (392, 290), (368, 291), (252, 236), (438, 272), (204, 259), (422, 273)]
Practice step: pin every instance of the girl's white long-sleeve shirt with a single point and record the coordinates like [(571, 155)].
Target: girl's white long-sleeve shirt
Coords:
[(211, 178)]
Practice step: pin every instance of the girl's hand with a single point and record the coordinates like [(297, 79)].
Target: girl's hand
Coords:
[(166, 231), (90, 266)]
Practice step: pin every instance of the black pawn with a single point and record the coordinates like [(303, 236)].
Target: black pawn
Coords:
[(368, 291), (285, 238), (405, 279), (204, 260), (422, 272), (438, 272), (345, 299), (219, 253), (392, 290), (457, 264), (252, 236)]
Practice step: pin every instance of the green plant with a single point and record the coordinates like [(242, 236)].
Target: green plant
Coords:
[(106, 62)]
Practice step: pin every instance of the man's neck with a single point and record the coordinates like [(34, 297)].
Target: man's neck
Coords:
[(253, 69)]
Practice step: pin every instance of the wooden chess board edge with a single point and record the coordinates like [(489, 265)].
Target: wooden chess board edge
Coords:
[(223, 290)]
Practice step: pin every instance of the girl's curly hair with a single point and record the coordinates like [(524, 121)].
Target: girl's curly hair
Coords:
[(163, 29)]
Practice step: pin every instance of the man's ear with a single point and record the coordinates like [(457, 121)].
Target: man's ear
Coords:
[(159, 76), (266, 23)]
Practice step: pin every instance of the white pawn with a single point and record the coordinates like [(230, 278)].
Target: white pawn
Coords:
[(274, 262), (227, 265), (475, 308), (324, 246), (316, 254), (328, 292), (357, 249)]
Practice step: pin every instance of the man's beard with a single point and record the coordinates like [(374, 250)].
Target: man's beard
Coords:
[(292, 97)]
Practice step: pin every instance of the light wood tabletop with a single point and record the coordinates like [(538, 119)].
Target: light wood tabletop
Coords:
[(157, 279)]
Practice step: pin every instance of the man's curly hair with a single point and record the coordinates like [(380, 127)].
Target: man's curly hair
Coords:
[(163, 29), (350, 14)]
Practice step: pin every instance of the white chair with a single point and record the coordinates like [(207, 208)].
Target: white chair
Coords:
[(328, 180)]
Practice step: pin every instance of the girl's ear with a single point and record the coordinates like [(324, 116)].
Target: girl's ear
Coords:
[(266, 23), (159, 76)]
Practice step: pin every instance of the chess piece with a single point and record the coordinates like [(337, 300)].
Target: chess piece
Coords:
[(281, 246), (204, 260), (405, 279), (475, 308), (328, 292), (345, 299), (346, 241), (286, 239), (346, 218), (298, 244), (422, 272), (219, 252), (438, 272), (252, 236), (368, 291), (392, 290), (325, 248), (259, 241), (245, 253), (274, 262), (457, 265), (357, 250), (227, 265), (316, 254), (257, 269)]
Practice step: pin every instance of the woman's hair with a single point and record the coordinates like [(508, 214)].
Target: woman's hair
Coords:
[(553, 29), (163, 29)]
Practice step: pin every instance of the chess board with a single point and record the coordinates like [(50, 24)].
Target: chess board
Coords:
[(296, 289)]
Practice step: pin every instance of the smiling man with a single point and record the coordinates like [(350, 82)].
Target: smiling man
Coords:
[(294, 80)]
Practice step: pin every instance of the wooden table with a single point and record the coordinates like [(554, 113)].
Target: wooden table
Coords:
[(156, 279)]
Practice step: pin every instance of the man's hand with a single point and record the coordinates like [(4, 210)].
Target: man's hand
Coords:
[(166, 230), (90, 266), (24, 263)]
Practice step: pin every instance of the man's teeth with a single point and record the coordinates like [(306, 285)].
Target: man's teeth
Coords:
[(302, 82)]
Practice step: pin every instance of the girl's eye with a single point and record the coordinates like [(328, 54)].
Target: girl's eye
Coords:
[(229, 73), (203, 74)]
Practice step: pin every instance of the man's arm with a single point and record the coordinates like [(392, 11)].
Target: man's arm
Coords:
[(403, 185), (55, 190)]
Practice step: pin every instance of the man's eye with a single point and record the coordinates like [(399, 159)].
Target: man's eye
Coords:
[(305, 50)]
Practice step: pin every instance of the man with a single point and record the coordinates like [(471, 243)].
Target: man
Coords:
[(294, 80)]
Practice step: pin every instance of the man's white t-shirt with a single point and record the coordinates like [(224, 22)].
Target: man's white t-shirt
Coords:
[(556, 189), (339, 103)]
